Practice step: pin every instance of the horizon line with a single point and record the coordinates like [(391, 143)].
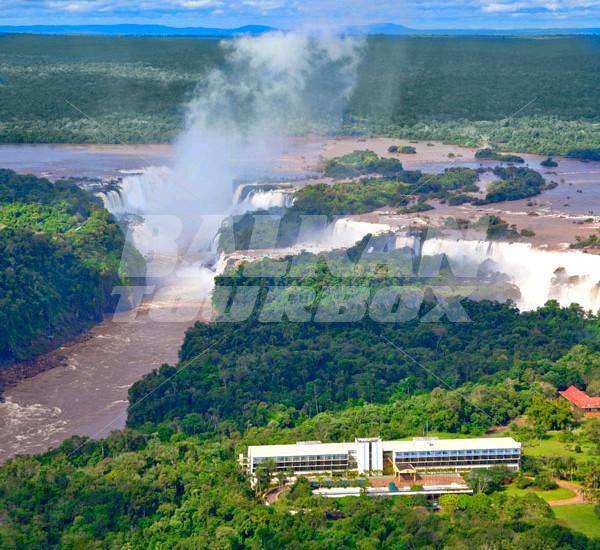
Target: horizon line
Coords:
[(366, 28)]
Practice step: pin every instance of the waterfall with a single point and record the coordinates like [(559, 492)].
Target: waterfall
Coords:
[(408, 241), (344, 233), (263, 200), (145, 192), (541, 275), (149, 191), (256, 196), (221, 264), (113, 202)]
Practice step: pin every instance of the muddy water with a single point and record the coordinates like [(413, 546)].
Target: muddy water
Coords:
[(87, 395), (578, 192), (60, 161)]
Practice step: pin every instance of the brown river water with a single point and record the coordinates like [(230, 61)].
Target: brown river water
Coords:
[(87, 393)]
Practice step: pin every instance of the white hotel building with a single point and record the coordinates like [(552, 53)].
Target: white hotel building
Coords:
[(372, 455)]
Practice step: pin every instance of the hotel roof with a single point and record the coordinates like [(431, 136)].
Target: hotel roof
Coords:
[(580, 399), (420, 444), (301, 449), (431, 444)]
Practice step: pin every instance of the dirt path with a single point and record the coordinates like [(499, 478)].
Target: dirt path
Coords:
[(272, 495), (578, 499)]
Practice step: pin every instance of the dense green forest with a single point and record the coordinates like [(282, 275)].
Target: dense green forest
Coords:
[(233, 370), (315, 366), (175, 483), (171, 480), (184, 492), (60, 262), (461, 89)]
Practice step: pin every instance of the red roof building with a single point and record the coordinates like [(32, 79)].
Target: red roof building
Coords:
[(590, 405)]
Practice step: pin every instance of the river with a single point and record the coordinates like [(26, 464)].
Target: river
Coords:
[(86, 394)]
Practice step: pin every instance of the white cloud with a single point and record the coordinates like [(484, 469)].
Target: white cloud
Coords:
[(500, 8), (156, 5), (290, 13), (197, 4), (74, 6), (548, 5), (264, 5)]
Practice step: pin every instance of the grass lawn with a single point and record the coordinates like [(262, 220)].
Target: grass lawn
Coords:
[(554, 494), (579, 517), (551, 446)]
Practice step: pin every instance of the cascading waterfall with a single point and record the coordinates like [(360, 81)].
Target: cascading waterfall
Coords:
[(236, 127), (342, 233), (255, 196), (540, 275), (145, 192), (113, 202), (263, 200), (409, 241)]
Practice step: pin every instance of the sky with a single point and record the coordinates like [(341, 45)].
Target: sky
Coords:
[(420, 14)]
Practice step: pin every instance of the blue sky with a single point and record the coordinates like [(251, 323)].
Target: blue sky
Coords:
[(290, 13)]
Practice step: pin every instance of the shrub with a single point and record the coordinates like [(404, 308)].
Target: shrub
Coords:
[(549, 163)]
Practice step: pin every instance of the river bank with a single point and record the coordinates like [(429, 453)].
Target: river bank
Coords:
[(84, 389)]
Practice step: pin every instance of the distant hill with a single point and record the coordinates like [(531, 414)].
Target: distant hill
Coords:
[(135, 30), (389, 29)]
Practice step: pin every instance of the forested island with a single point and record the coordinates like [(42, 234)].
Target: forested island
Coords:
[(384, 182), (61, 262)]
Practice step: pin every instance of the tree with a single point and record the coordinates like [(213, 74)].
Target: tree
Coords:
[(281, 478), (550, 414), (450, 503), (488, 480), (591, 482), (264, 475)]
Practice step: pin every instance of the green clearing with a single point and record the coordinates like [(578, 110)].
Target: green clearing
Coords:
[(579, 517), (554, 494), (552, 446)]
